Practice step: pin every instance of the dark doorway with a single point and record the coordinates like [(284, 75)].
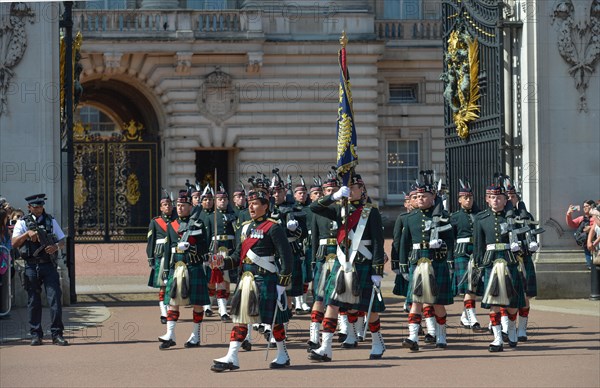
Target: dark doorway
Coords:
[(207, 161)]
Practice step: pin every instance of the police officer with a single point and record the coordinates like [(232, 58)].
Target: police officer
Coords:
[(39, 238)]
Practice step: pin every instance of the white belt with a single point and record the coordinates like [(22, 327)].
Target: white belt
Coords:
[(266, 262), (464, 240), (292, 239), (177, 250), (420, 246), (223, 237), (362, 248), (161, 240), (497, 247), (328, 241)]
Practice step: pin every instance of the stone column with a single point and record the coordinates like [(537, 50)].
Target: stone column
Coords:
[(160, 4)]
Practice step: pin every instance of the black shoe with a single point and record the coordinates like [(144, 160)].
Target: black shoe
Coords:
[(275, 365), (342, 337), (441, 345), (412, 345), (347, 345), (523, 339), (166, 344), (60, 341), (223, 366), (496, 348), (225, 318), (302, 312), (312, 346), (247, 345), (36, 341), (317, 357), (504, 337), (512, 344), (267, 334), (360, 338), (163, 320), (190, 344), (429, 339), (478, 329), (421, 332), (375, 356), (208, 313)]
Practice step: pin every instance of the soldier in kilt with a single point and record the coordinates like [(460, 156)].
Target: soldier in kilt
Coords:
[(205, 210), (466, 280), (155, 249), (351, 283), (187, 284), (525, 256), (265, 258), (426, 256), (493, 251), (400, 282), (324, 246), (222, 243), (301, 203)]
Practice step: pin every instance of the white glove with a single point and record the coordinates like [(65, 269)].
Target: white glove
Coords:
[(405, 275), (343, 192), (280, 291), (435, 244), (376, 279), (397, 271), (183, 246), (292, 225), (533, 246), (515, 247)]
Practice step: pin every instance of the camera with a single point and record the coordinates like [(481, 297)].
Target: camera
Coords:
[(12, 222), (576, 208)]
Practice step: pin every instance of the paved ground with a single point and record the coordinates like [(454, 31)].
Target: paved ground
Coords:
[(114, 326)]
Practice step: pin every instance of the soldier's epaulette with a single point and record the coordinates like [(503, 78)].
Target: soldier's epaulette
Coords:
[(483, 215), (273, 220), (246, 222), (372, 204)]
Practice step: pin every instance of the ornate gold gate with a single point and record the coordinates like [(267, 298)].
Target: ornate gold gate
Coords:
[(115, 185)]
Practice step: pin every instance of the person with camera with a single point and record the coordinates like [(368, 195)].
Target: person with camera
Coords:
[(583, 224), (39, 238)]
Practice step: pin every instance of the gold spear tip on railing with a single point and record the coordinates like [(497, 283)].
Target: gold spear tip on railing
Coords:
[(343, 39)]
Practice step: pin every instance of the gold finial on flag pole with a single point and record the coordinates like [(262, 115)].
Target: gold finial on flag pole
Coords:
[(343, 39)]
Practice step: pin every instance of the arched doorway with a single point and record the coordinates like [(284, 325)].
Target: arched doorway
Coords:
[(116, 150)]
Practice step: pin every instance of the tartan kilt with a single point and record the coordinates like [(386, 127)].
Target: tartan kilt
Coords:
[(317, 273), (198, 286), (516, 301), (530, 276), (366, 286), (461, 266), (400, 286), (233, 276), (155, 279), (266, 284), (442, 278), (297, 286)]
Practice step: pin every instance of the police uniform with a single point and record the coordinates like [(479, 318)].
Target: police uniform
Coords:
[(187, 283), (155, 249), (40, 270), (429, 260), (265, 259), (503, 285), (350, 284)]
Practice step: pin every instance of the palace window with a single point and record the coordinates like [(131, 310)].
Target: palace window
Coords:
[(402, 166), (403, 94), (98, 122), (402, 9)]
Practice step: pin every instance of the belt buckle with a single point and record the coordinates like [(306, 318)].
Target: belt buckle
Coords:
[(499, 247), (247, 261)]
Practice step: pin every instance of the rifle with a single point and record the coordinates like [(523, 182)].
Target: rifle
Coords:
[(435, 222), (44, 238)]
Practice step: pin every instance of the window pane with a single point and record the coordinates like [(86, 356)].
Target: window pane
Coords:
[(402, 165)]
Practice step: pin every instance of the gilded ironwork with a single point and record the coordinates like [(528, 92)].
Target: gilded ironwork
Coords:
[(132, 131), (77, 68), (462, 79), (579, 43), (133, 189), (79, 191)]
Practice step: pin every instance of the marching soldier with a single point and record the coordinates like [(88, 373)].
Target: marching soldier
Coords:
[(205, 211), (239, 201), (187, 283), (155, 249), (425, 255), (495, 252), (400, 283), (222, 244), (462, 222), (324, 247), (38, 237), (295, 222), (358, 272), (301, 203), (265, 259), (529, 246)]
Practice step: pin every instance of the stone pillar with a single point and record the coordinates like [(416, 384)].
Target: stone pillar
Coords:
[(160, 4)]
